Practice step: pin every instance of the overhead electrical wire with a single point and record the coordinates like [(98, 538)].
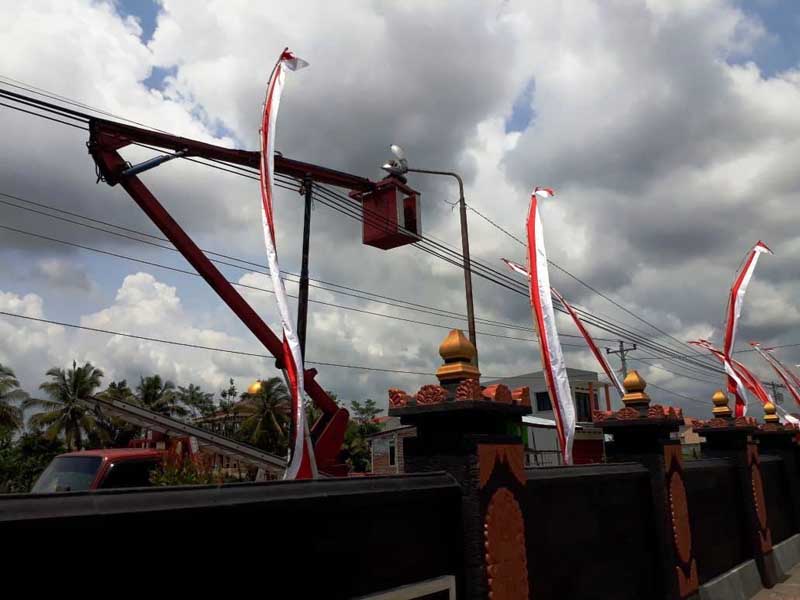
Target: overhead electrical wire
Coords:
[(252, 267), (252, 287), (428, 244), (253, 354), (201, 347), (441, 250)]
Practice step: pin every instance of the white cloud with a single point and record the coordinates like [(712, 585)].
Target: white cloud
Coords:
[(668, 159)]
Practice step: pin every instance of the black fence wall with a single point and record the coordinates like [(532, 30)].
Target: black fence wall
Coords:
[(716, 516), (335, 538), (589, 531), (584, 527)]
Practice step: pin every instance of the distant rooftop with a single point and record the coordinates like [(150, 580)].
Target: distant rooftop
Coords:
[(536, 379)]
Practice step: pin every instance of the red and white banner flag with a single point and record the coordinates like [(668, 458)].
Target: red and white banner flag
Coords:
[(301, 464), (612, 376), (791, 375), (754, 383), (544, 319), (601, 358), (741, 390), (776, 366), (734, 311), (741, 375)]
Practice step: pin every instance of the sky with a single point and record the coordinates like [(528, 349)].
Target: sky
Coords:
[(667, 128)]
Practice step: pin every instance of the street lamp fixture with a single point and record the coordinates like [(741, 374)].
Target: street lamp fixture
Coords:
[(398, 167)]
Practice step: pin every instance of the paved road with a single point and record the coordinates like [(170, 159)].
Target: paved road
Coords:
[(788, 590)]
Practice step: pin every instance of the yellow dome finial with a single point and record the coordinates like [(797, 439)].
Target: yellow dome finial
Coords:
[(458, 353), (721, 408), (770, 413), (634, 385), (456, 346), (255, 388)]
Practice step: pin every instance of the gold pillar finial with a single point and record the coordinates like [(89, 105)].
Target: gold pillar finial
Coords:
[(634, 385), (770, 413), (458, 353), (721, 408)]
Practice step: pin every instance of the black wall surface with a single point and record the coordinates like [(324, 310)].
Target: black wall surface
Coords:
[(776, 495), (334, 538), (716, 516), (590, 532)]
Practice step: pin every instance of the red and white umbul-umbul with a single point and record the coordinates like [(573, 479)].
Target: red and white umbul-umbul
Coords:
[(612, 376), (544, 320), (780, 370), (301, 463), (734, 311)]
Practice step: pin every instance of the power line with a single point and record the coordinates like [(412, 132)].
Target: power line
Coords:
[(677, 394), (436, 248), (612, 330), (251, 266), (452, 256), (252, 174), (660, 368), (201, 347), (432, 310), (583, 283), (252, 287)]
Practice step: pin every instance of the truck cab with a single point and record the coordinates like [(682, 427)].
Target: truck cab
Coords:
[(89, 470)]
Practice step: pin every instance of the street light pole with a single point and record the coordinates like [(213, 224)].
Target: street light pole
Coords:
[(302, 303), (462, 205)]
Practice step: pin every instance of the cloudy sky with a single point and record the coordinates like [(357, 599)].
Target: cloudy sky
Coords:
[(670, 131)]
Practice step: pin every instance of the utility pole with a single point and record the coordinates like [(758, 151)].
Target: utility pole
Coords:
[(622, 352), (775, 396), (302, 303)]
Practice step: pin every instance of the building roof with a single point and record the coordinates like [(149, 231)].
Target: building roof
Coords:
[(387, 431), (542, 422), (536, 379)]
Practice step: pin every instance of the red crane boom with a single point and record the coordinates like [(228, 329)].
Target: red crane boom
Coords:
[(106, 138)]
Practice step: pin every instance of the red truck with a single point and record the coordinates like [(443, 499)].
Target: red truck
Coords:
[(99, 469)]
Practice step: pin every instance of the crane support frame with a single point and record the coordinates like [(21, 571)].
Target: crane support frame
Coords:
[(106, 138)]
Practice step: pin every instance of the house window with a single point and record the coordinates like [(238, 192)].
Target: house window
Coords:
[(543, 402), (583, 405), (393, 451)]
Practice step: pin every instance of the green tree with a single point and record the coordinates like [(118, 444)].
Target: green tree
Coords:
[(178, 469), (24, 459), (66, 412), (228, 397), (200, 403), (365, 413), (159, 395), (356, 447), (111, 431), (267, 416), (10, 395)]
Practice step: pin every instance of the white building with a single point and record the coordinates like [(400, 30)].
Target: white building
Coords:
[(588, 393)]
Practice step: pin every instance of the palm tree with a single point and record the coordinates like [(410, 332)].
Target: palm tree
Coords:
[(199, 402), (112, 431), (10, 415), (159, 396), (66, 411), (266, 413)]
